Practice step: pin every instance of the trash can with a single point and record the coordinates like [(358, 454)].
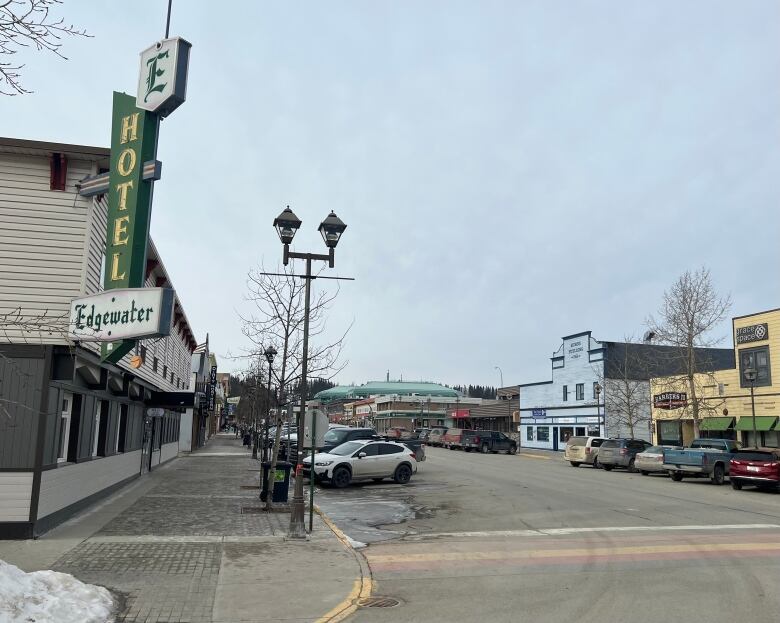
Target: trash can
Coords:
[(281, 483)]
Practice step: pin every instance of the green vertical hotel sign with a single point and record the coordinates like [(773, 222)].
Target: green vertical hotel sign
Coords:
[(133, 142)]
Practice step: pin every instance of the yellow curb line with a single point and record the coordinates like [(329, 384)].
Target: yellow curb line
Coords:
[(535, 456), (361, 588)]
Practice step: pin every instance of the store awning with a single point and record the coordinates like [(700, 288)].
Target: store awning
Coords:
[(763, 422), (716, 423)]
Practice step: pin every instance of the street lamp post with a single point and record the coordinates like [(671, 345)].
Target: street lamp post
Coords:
[(255, 418), (750, 376), (331, 229), (597, 389), (269, 353)]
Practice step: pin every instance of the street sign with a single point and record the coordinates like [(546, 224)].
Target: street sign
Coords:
[(321, 419), (539, 413)]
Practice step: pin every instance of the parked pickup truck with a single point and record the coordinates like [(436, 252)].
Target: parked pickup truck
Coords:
[(707, 458), (487, 441)]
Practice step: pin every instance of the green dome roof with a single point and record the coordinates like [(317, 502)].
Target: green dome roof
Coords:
[(384, 388)]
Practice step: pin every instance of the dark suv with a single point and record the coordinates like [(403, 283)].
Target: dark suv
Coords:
[(336, 436), (487, 441), (621, 452)]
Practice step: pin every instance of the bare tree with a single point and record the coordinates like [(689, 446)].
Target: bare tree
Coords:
[(626, 389), (278, 321), (28, 24), (690, 311)]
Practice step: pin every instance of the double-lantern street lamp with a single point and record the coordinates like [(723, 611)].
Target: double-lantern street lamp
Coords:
[(331, 229), (269, 353), (750, 375)]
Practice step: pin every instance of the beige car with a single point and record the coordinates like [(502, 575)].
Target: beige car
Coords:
[(434, 437), (581, 450)]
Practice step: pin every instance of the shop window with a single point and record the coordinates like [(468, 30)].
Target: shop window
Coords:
[(757, 358), (543, 433), (580, 431), (565, 393), (121, 440), (74, 428), (529, 433), (65, 418), (101, 429), (565, 433), (580, 388)]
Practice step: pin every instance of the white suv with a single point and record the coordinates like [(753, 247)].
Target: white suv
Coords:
[(363, 460)]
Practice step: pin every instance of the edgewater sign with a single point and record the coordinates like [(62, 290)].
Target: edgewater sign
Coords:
[(124, 314), (162, 77)]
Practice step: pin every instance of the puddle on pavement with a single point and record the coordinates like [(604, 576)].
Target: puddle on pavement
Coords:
[(371, 513)]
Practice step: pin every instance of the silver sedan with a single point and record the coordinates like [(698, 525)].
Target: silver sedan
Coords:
[(652, 459)]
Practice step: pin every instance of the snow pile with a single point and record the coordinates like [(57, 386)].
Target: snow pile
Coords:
[(50, 597), (355, 544)]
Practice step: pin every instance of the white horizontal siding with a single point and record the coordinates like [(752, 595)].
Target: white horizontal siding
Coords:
[(64, 486), (169, 451), (43, 238), (15, 492)]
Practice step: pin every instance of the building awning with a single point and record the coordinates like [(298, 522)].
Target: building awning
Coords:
[(171, 399), (763, 422), (716, 423)]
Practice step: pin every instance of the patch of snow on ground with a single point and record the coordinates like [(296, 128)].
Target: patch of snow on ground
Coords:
[(355, 544), (51, 597)]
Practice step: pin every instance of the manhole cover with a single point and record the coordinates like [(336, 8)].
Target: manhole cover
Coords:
[(378, 602)]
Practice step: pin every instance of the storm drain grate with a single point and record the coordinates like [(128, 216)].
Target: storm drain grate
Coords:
[(378, 602)]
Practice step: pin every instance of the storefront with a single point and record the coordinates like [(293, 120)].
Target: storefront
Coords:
[(727, 410)]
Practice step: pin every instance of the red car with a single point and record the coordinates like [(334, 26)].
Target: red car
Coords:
[(758, 467)]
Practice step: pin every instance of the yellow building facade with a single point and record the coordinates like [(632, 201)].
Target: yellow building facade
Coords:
[(728, 411)]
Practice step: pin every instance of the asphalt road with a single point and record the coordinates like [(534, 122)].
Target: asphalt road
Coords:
[(506, 538)]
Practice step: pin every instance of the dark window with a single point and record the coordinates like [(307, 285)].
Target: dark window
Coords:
[(529, 433), (165, 372), (757, 358), (388, 448), (580, 391), (122, 428), (102, 440), (565, 393), (75, 428), (543, 433), (594, 389), (59, 172), (580, 430), (371, 449), (155, 364)]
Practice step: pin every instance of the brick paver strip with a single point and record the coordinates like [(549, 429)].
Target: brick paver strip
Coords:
[(158, 578)]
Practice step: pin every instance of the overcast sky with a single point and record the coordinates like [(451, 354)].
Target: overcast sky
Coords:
[(510, 172)]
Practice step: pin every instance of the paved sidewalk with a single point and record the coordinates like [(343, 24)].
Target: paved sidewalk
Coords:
[(187, 543)]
